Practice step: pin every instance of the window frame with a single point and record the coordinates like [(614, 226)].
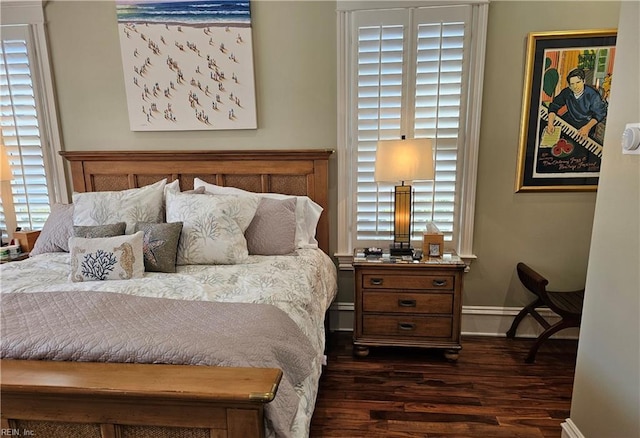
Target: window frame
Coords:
[(347, 155), (30, 14)]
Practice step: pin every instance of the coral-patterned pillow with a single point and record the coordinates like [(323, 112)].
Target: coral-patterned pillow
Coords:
[(106, 258)]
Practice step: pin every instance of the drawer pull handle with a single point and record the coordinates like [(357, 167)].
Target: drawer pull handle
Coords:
[(407, 326), (376, 281), (407, 303), (439, 283)]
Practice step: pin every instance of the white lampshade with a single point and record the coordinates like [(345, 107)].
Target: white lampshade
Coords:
[(404, 160)]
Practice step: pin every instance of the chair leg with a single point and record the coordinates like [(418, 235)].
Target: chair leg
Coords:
[(560, 325), (511, 333)]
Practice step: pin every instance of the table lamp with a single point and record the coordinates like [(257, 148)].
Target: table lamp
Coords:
[(6, 196), (403, 161)]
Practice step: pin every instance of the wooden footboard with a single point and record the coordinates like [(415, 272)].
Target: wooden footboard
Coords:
[(107, 400)]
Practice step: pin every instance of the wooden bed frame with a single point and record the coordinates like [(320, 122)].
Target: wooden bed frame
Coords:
[(107, 400)]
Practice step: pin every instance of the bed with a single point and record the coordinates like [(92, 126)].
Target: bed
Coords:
[(163, 373)]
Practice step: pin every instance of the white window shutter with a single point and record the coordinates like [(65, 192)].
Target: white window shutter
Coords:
[(410, 70), (380, 82), (22, 135)]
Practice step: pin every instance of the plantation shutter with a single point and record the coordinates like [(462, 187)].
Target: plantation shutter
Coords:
[(21, 132), (411, 71), (380, 81)]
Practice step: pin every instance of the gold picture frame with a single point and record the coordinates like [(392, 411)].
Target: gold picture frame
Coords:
[(568, 77)]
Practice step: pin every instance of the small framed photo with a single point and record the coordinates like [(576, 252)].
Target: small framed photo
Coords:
[(432, 245), (435, 250)]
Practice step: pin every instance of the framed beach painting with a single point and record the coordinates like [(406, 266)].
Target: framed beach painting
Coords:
[(568, 77), (188, 64)]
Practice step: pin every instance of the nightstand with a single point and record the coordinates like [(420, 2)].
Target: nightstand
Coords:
[(408, 304), (16, 258)]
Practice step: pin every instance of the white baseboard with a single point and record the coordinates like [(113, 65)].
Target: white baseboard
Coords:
[(476, 320), (570, 430)]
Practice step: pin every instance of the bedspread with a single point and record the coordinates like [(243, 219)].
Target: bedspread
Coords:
[(108, 327), (302, 285)]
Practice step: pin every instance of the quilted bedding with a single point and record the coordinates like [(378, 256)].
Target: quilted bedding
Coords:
[(302, 285)]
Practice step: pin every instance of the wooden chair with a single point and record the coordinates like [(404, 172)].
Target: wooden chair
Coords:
[(567, 305)]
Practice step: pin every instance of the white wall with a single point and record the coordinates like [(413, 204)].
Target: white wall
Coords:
[(606, 394)]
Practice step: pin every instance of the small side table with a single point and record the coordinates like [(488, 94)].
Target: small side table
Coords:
[(408, 304)]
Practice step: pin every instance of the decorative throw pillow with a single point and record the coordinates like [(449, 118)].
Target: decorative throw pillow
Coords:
[(94, 231), (273, 229), (173, 186), (130, 206), (160, 245), (56, 231), (213, 227), (106, 258), (307, 212)]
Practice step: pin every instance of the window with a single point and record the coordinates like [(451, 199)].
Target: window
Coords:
[(413, 71), (29, 139)]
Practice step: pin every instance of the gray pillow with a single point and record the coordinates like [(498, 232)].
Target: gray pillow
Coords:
[(160, 245), (98, 231), (55, 234), (273, 228)]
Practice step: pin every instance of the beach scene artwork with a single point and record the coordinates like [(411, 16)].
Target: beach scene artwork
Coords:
[(188, 65)]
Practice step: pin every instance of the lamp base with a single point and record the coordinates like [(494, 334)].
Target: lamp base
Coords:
[(400, 249)]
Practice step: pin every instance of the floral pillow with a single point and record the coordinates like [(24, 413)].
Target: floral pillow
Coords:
[(307, 212), (129, 206), (106, 258), (213, 227)]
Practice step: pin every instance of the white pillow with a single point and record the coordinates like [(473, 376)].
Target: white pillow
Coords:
[(129, 206), (213, 227), (106, 258), (173, 186), (307, 212)]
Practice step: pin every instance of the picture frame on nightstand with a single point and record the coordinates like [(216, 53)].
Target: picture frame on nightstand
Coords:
[(435, 250), (433, 245)]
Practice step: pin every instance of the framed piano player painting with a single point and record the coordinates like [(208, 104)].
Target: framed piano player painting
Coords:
[(568, 78)]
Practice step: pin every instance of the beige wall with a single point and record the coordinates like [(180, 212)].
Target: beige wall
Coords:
[(549, 231), (295, 70), (295, 65), (606, 394)]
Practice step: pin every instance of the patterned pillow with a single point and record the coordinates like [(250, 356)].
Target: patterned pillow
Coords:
[(130, 206), (213, 227), (106, 258), (307, 212), (160, 245), (273, 229), (94, 231), (56, 231)]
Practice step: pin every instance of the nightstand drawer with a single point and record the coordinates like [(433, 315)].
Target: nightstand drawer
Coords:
[(400, 281), (409, 325), (406, 302)]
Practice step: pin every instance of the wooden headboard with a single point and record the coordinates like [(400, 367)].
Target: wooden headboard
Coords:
[(292, 172)]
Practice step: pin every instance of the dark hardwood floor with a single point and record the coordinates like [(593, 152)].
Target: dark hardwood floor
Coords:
[(490, 391)]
